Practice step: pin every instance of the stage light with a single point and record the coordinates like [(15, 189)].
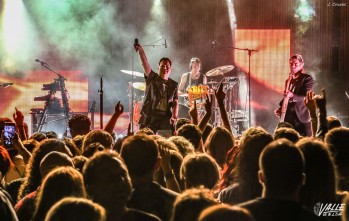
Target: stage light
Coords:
[(304, 11)]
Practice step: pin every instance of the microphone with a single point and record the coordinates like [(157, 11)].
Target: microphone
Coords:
[(135, 44), (165, 44), (41, 62), (213, 44)]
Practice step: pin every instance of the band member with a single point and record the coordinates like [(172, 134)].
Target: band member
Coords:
[(194, 77), (297, 113), (160, 106)]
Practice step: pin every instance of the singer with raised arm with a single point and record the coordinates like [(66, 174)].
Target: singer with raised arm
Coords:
[(160, 106), (292, 108)]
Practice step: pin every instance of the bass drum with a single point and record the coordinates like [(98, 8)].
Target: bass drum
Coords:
[(183, 111)]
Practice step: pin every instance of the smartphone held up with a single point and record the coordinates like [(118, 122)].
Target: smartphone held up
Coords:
[(9, 133)]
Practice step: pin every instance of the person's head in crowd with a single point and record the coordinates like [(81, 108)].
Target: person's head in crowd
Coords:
[(320, 185), (38, 136), (59, 183), (224, 212), (79, 162), (79, 124), (53, 160), (33, 175), (183, 145), (247, 162), (145, 130), (199, 170), (168, 145), (5, 162), (228, 177), (100, 136), (191, 203), (192, 133), (180, 122), (141, 149), (345, 216), (281, 170), (78, 140), (333, 122), (284, 125), (51, 134), (206, 132), (30, 144), (108, 183), (76, 209), (288, 133), (92, 148), (218, 143), (72, 147), (337, 141)]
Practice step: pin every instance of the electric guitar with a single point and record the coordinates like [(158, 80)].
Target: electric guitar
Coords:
[(285, 101)]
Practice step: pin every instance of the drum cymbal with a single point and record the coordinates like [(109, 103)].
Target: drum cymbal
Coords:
[(219, 70), (139, 86), (135, 73)]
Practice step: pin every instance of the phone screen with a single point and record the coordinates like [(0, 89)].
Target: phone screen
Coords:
[(9, 133)]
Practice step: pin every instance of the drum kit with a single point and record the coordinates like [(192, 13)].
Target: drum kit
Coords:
[(197, 93)]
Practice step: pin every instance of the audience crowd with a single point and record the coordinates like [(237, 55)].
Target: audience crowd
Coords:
[(196, 172)]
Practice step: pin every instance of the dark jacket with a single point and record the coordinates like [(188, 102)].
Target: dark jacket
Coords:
[(153, 95)]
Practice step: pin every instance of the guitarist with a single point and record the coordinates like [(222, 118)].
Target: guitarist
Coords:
[(296, 86)]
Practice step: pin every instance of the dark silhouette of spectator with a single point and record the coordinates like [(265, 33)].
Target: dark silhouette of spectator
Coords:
[(76, 209), (59, 183), (320, 185), (98, 136), (30, 144), (225, 213), (192, 133), (38, 136), (183, 145), (72, 147), (191, 203), (206, 132), (146, 131), (218, 144), (108, 183), (92, 148), (51, 134), (337, 140), (79, 124), (199, 170), (180, 122), (284, 125), (148, 195), (281, 175), (288, 133), (79, 162), (246, 185), (26, 206), (333, 122), (33, 174), (78, 140), (6, 210)]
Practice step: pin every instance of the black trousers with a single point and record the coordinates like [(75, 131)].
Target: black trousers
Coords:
[(159, 120), (304, 129)]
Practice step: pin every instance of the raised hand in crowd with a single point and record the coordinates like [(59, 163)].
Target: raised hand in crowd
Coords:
[(309, 102), (119, 109), (21, 126), (193, 112), (220, 96), (171, 181), (208, 114)]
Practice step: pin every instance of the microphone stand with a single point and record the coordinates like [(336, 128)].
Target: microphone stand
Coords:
[(101, 102), (249, 51)]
